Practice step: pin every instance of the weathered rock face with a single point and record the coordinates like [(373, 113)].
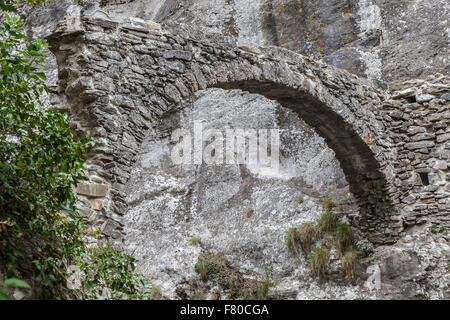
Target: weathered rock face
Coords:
[(373, 38), (122, 81), (382, 39)]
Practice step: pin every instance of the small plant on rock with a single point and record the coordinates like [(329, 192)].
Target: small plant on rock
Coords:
[(319, 260), (84, 4), (348, 263), (327, 222), (308, 233), (300, 200), (365, 246), (292, 240), (249, 212), (344, 237), (155, 294), (194, 241), (328, 204), (210, 265)]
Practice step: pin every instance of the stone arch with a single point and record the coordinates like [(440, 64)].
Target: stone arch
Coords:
[(336, 104), (119, 77)]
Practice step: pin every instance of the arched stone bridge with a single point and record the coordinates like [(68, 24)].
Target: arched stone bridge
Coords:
[(116, 78)]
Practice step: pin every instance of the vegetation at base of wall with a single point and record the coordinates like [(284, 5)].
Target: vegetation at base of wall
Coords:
[(217, 269), (344, 237), (327, 222), (319, 260), (348, 263), (330, 231), (41, 229)]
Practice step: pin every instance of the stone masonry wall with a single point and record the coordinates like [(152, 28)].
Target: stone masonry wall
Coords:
[(418, 115), (117, 77)]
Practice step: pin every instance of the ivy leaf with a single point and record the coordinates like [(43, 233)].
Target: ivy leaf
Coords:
[(16, 283), (4, 296)]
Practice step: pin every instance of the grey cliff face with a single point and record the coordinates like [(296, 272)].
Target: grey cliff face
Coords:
[(378, 39), (142, 83)]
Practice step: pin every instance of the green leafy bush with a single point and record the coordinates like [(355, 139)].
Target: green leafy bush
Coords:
[(41, 229), (114, 270), (194, 241)]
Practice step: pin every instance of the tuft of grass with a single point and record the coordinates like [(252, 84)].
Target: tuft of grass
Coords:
[(348, 263), (210, 265), (194, 241), (300, 200), (215, 268), (249, 212), (344, 237), (327, 222), (308, 233), (292, 240), (328, 204), (319, 260)]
